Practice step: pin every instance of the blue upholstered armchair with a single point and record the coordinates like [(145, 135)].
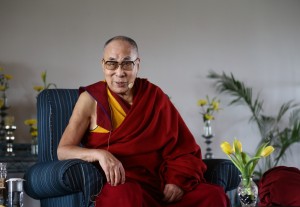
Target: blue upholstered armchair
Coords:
[(73, 183)]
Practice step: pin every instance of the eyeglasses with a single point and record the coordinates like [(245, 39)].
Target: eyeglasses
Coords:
[(127, 65)]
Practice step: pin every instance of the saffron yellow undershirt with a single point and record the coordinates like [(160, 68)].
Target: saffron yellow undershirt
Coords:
[(117, 114)]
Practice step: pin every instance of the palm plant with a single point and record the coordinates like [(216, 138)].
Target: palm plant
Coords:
[(270, 127)]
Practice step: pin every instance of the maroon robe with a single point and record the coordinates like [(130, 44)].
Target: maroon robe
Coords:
[(280, 186)]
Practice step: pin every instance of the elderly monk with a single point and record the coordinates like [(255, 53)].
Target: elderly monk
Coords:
[(131, 130)]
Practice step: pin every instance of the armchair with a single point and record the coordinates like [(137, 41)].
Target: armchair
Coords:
[(74, 182)]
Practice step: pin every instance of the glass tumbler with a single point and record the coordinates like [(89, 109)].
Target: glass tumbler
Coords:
[(15, 192)]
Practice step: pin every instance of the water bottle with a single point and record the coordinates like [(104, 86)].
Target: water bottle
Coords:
[(3, 190)]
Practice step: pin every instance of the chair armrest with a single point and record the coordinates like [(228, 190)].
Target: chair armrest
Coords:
[(58, 178), (222, 172)]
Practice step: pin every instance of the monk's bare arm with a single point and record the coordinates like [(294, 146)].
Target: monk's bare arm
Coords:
[(83, 118), (80, 120)]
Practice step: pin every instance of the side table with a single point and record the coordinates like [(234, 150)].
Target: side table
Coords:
[(21, 160)]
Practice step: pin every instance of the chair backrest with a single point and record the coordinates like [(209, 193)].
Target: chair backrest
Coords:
[(54, 108)]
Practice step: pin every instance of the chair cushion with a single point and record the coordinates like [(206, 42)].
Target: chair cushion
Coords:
[(58, 178)]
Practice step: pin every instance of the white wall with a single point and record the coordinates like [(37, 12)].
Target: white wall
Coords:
[(180, 41)]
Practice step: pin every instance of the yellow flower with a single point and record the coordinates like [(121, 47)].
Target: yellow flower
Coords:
[(2, 87), (215, 105), (38, 88), (202, 102), (267, 151), (30, 122), (237, 146), (7, 77), (34, 133), (242, 160), (208, 117), (226, 147)]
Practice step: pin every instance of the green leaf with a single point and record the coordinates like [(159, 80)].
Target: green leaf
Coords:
[(284, 108), (249, 165), (236, 163)]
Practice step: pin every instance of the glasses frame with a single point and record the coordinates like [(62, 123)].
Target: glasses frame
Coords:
[(120, 64)]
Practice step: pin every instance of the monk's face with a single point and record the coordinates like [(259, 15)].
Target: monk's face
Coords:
[(120, 66)]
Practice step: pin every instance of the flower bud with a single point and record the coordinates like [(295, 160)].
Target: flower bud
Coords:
[(34, 133), (202, 102), (30, 122), (267, 151), (208, 117), (237, 145), (43, 76), (215, 105), (226, 147)]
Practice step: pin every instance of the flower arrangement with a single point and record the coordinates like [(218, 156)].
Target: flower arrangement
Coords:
[(32, 123), (208, 107), (242, 160), (33, 130), (247, 189)]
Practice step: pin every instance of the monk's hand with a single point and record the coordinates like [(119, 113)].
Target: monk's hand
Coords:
[(112, 167), (172, 193)]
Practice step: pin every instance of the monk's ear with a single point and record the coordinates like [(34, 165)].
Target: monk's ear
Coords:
[(138, 65), (102, 64)]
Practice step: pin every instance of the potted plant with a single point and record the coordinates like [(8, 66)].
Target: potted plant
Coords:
[(272, 129), (247, 189)]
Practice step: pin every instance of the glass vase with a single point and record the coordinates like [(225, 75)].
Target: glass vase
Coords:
[(207, 129), (208, 135), (247, 192), (34, 145)]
